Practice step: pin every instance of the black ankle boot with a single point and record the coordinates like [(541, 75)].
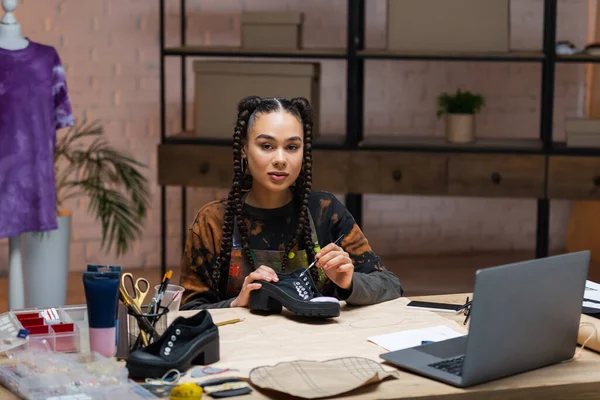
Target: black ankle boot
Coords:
[(296, 292), (186, 341)]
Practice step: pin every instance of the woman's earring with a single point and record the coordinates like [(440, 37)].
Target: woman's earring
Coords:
[(244, 169)]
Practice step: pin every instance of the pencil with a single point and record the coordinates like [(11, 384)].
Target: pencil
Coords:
[(228, 322)]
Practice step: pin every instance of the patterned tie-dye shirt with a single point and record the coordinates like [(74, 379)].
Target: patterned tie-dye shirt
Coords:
[(270, 230), (33, 105)]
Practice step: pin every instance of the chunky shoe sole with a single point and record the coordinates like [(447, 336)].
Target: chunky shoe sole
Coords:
[(206, 352), (270, 298)]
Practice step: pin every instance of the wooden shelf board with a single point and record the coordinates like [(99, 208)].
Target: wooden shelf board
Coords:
[(325, 140), (440, 144), (416, 143), (561, 148), (235, 51), (457, 55), (578, 58)]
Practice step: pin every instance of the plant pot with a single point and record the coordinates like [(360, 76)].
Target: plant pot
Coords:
[(46, 265), (460, 128)]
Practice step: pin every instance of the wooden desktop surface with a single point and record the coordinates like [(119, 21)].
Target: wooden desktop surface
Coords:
[(242, 347)]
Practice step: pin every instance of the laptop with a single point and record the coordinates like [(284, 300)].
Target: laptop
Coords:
[(524, 316)]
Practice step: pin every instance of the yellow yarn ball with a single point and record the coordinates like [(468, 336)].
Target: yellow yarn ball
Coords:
[(186, 391), (291, 255)]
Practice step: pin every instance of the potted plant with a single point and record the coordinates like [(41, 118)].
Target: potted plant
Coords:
[(118, 195), (460, 109)]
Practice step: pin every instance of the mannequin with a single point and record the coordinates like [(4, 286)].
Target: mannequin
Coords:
[(10, 30), (11, 39), (33, 104)]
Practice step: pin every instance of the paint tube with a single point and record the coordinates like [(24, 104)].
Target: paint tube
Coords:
[(114, 268), (101, 296)]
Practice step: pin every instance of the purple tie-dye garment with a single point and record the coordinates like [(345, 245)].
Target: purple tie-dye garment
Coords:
[(33, 104)]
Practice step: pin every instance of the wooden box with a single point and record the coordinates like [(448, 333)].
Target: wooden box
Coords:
[(220, 85), (448, 25), (272, 30), (582, 132)]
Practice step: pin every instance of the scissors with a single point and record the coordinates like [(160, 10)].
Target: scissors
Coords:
[(133, 290)]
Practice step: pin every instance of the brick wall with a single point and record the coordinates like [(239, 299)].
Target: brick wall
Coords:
[(110, 50)]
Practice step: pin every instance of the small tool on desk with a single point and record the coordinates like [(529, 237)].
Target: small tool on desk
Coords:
[(136, 311), (163, 287), (133, 288), (136, 290), (466, 305), (228, 322), (315, 261), (467, 308), (157, 299)]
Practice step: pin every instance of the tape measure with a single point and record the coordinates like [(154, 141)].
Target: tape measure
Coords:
[(186, 391)]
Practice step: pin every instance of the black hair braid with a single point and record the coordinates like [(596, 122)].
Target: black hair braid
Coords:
[(243, 228), (308, 242), (303, 186), (245, 109)]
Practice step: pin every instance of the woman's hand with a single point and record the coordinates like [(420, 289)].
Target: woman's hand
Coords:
[(336, 264), (261, 273)]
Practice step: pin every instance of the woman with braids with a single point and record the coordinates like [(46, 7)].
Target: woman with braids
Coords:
[(271, 221)]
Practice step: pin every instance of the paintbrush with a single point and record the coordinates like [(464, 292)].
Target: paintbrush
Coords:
[(315, 261)]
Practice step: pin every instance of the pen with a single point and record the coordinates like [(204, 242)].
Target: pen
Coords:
[(162, 289), (467, 318), (159, 296), (467, 304), (315, 261), (155, 299)]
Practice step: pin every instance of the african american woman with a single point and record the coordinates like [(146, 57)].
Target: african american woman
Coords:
[(272, 221)]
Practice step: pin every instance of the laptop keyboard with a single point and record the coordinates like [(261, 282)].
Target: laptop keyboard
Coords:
[(450, 365)]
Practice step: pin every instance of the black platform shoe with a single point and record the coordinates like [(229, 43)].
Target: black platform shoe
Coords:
[(298, 293), (186, 341)]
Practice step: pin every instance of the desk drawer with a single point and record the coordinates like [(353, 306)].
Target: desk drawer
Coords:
[(494, 175), (413, 173), (190, 165), (397, 173), (576, 178), (330, 170)]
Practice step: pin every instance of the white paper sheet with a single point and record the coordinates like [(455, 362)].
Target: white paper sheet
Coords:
[(413, 337), (591, 305), (592, 291)]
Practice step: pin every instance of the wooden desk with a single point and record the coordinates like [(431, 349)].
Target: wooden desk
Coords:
[(260, 340)]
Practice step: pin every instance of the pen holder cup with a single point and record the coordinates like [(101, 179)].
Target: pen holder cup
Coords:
[(158, 320)]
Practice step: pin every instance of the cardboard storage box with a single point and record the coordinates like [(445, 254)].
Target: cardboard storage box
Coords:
[(582, 132), (220, 85), (272, 30), (448, 25)]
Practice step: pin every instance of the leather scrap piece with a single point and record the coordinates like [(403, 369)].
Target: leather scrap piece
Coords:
[(318, 379)]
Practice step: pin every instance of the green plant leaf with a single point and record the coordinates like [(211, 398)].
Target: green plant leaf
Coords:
[(461, 102), (118, 193)]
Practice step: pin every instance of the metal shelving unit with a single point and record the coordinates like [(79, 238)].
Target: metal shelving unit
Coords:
[(355, 56)]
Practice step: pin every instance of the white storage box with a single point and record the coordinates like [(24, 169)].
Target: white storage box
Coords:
[(220, 85), (272, 30), (448, 25)]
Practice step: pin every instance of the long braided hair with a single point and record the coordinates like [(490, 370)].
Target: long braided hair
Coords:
[(248, 109)]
